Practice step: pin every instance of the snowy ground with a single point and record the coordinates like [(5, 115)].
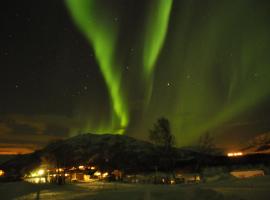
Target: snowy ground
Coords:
[(249, 189)]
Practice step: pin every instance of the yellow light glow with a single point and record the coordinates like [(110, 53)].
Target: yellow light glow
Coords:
[(2, 173), (41, 172), (105, 174), (60, 170), (93, 168), (36, 180), (235, 154), (33, 174), (81, 167), (97, 173)]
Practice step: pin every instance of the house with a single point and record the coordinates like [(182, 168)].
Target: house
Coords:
[(247, 173)]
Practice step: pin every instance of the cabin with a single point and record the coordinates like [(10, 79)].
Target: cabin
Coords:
[(188, 177), (247, 173)]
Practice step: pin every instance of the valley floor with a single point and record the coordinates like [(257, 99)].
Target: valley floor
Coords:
[(248, 189)]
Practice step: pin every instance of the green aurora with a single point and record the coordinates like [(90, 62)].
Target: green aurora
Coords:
[(156, 30), (102, 35), (202, 64)]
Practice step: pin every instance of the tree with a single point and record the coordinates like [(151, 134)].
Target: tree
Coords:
[(161, 136), (206, 144), (206, 147)]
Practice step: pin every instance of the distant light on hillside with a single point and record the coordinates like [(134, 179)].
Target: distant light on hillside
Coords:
[(234, 154), (2, 173)]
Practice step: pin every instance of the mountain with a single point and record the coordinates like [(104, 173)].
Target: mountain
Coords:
[(112, 150), (4, 158), (106, 151), (258, 145), (109, 152)]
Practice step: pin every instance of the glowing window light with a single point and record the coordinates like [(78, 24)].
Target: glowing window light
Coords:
[(104, 175), (60, 170), (36, 180), (40, 172), (92, 168), (37, 173), (81, 167), (97, 173), (33, 174)]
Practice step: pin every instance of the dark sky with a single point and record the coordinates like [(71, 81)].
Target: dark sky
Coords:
[(115, 66)]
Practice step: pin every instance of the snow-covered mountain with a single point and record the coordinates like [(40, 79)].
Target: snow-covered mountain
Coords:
[(112, 150), (260, 145), (107, 151)]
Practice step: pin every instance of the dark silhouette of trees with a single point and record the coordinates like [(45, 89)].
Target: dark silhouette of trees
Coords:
[(206, 148), (206, 144), (161, 134), (162, 137)]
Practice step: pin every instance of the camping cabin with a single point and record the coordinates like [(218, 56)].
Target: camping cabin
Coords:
[(247, 173)]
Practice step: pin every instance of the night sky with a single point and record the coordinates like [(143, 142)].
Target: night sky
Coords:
[(115, 66)]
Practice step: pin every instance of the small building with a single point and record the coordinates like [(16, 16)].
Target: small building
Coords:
[(189, 177), (247, 173)]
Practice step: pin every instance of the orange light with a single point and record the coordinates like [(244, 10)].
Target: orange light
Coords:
[(59, 170), (104, 175), (235, 154), (81, 167), (97, 173), (2, 173)]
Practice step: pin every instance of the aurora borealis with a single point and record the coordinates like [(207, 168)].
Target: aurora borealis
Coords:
[(102, 36), (115, 66)]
